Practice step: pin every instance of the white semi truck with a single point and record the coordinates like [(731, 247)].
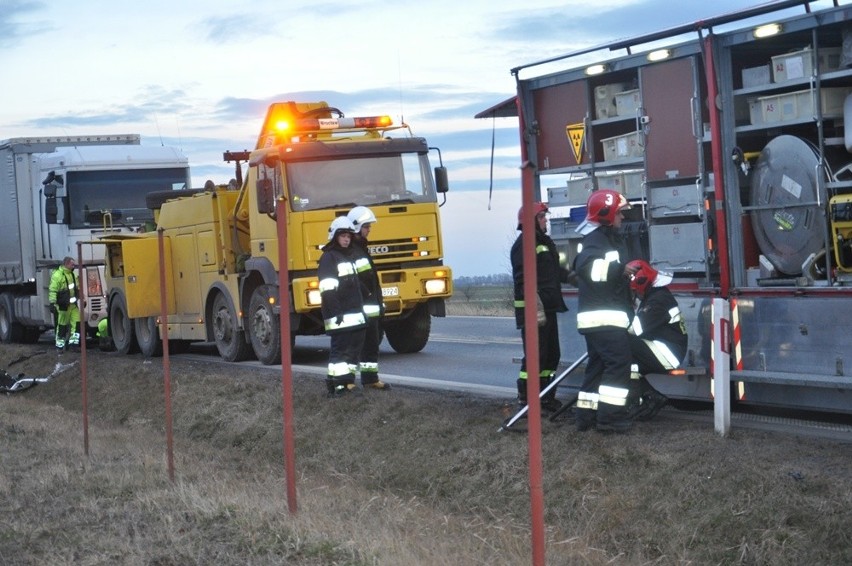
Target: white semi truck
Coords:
[(58, 191)]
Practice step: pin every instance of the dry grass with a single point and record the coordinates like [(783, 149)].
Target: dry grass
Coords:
[(406, 477)]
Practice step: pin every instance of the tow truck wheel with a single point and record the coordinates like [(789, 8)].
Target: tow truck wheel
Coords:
[(148, 336), (265, 332), (121, 326), (230, 339), (410, 334)]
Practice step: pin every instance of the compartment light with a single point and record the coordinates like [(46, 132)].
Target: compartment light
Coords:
[(767, 30), (596, 69), (659, 55)]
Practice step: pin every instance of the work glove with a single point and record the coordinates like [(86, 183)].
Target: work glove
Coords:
[(339, 320), (52, 308)]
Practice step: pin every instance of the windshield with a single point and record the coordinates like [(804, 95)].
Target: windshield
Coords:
[(363, 181), (120, 192)]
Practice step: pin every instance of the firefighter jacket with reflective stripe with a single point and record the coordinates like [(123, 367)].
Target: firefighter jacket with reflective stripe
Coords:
[(549, 274), (658, 318), (340, 289), (370, 286), (604, 292)]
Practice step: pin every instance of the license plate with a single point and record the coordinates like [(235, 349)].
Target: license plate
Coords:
[(390, 291)]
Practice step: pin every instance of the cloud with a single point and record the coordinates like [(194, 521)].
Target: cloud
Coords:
[(12, 29)]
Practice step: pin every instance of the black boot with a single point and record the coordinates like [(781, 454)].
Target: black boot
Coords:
[(522, 392), (549, 402)]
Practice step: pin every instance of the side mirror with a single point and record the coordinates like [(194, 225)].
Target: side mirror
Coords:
[(265, 196), (442, 184)]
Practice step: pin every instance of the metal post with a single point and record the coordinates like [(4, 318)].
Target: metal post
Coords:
[(531, 337), (167, 372), (722, 368), (84, 366), (286, 357)]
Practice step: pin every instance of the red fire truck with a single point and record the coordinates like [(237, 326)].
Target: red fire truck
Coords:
[(733, 143)]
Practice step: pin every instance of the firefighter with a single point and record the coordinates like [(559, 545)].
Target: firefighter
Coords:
[(342, 306), (658, 338), (63, 294), (604, 313), (362, 220), (550, 274)]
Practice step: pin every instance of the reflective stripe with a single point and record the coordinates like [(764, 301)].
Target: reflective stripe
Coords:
[(594, 319), (587, 400), (338, 369), (636, 327), (675, 315), (541, 248), (349, 320), (663, 353), (600, 267), (345, 268), (634, 372), (522, 375), (613, 395), (362, 265), (328, 284), (370, 367), (519, 304)]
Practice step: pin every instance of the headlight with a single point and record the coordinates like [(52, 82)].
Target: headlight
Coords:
[(435, 286), (313, 297)]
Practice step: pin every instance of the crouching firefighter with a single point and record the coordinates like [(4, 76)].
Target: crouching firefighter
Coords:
[(658, 338), (550, 273), (342, 306), (63, 294)]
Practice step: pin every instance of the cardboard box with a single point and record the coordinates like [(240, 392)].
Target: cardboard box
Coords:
[(605, 99), (756, 76), (623, 147), (627, 102), (799, 64)]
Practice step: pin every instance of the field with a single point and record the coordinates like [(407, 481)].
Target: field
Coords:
[(405, 477)]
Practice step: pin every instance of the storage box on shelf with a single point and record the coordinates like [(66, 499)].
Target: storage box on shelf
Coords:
[(605, 99), (627, 102), (800, 105), (675, 201), (574, 193), (756, 76), (623, 147), (679, 248), (799, 64)]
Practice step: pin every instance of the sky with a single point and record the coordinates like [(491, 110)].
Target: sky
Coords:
[(199, 76)]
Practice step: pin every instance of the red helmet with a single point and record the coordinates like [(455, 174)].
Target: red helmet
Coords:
[(603, 206), (646, 276), (537, 208)]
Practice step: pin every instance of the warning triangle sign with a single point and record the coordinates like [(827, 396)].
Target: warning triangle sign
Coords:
[(576, 135)]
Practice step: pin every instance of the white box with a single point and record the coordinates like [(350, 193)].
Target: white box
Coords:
[(576, 192), (623, 147), (627, 102), (799, 64), (605, 99), (800, 104), (756, 76), (755, 112), (633, 182)]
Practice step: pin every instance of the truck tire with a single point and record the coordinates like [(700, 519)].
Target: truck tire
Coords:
[(10, 331), (264, 328), (148, 336), (121, 326), (410, 334), (229, 337)]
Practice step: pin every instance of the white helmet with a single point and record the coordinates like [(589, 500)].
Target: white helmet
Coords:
[(361, 215), (338, 224)]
